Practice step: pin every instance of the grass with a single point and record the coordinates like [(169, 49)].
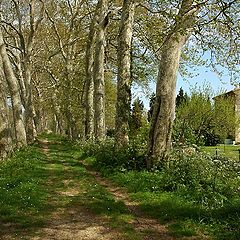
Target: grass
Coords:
[(31, 187), (230, 151), (31, 183), (167, 208), (183, 215), (22, 195)]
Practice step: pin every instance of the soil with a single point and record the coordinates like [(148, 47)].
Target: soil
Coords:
[(79, 223)]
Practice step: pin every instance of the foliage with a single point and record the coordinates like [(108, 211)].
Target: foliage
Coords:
[(151, 104), (138, 118), (202, 122), (195, 190), (208, 180), (225, 120), (110, 156), (194, 119), (181, 98)]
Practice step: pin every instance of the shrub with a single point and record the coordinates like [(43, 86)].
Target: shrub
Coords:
[(109, 156), (204, 178)]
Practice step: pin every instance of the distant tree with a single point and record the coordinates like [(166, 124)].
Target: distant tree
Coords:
[(137, 116), (200, 121), (151, 104), (225, 119), (181, 98), (194, 119)]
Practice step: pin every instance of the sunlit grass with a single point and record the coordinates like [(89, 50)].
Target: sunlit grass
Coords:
[(33, 185), (230, 151), (180, 211)]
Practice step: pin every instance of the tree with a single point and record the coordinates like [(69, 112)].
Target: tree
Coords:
[(12, 83), (98, 72), (5, 128), (89, 84), (63, 63), (151, 104), (124, 72), (137, 116), (202, 122), (194, 120), (163, 111), (225, 118), (22, 31), (192, 17), (181, 98)]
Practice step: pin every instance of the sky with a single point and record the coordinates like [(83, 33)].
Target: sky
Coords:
[(204, 76)]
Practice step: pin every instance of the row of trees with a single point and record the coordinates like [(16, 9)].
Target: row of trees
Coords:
[(65, 61)]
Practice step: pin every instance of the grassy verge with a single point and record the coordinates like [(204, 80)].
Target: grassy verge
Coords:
[(184, 216), (196, 196), (230, 151), (22, 193), (35, 183)]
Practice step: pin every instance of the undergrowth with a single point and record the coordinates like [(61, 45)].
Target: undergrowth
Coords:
[(194, 191)]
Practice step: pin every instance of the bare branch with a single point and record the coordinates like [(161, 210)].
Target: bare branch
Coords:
[(61, 46)]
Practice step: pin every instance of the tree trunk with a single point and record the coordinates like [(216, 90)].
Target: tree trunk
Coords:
[(89, 85), (29, 110), (5, 129), (12, 83), (164, 106), (98, 73), (123, 105)]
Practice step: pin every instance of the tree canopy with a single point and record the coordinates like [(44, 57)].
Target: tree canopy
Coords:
[(74, 62)]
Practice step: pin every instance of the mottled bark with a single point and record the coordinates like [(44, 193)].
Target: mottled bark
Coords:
[(164, 106), (23, 70), (29, 110), (20, 133), (57, 114), (98, 73), (124, 72), (5, 128), (26, 40), (89, 85)]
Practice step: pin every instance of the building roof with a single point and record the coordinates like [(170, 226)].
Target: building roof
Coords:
[(235, 91)]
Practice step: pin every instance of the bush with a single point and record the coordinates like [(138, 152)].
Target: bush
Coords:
[(109, 156), (207, 179)]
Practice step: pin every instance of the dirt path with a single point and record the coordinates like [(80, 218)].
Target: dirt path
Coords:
[(141, 223), (78, 223), (86, 206), (73, 222)]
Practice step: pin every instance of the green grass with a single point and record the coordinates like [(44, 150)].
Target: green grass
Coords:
[(230, 151), (31, 183), (22, 193), (185, 217)]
